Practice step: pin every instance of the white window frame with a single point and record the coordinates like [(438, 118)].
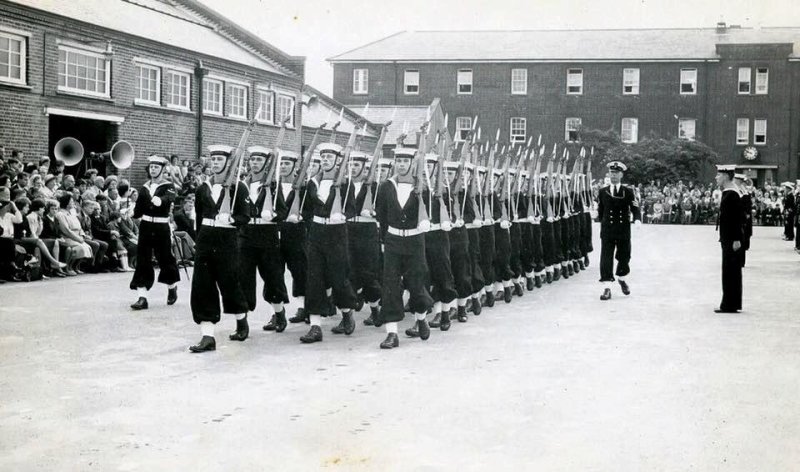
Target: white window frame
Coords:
[(463, 125), (171, 74), (221, 87), (685, 79), (146, 101), (760, 130), (462, 74), (684, 124), (633, 130), (408, 75), (762, 80), (742, 131), (744, 77), (360, 81), (575, 79), (519, 84), (23, 59), (85, 52), (267, 112), (521, 124), (278, 112), (578, 122), (231, 98), (630, 78)]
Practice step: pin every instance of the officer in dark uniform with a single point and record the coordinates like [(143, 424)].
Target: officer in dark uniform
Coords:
[(740, 180), (788, 211), (730, 224), (615, 204), (216, 267), (155, 236)]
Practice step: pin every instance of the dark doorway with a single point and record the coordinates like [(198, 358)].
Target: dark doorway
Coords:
[(95, 135)]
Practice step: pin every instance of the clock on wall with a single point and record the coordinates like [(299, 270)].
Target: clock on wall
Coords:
[(750, 153)]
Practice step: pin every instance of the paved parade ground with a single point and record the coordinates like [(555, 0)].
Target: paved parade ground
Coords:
[(557, 380)]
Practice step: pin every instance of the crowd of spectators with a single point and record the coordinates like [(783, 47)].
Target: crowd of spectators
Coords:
[(53, 224)]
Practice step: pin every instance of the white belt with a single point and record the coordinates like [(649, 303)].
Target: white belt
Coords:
[(217, 224), (473, 225), (404, 232), (261, 221), (435, 227), (155, 219), (326, 221), (362, 219)]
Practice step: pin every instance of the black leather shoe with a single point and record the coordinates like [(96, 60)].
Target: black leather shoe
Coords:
[(606, 294), (349, 323), (141, 304), (172, 296), (548, 277), (413, 332), (299, 317), (507, 294), (530, 283), (565, 272), (576, 266), (537, 281), (586, 261), (462, 314), (437, 321), (424, 329), (242, 330), (391, 341), (489, 299), (273, 321), (570, 270), (518, 290), (373, 312), (582, 265), (720, 310), (360, 303), (207, 343), (340, 328), (556, 274), (314, 335), (624, 286), (277, 323), (476, 307), (445, 324)]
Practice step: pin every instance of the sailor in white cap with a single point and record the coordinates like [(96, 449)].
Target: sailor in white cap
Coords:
[(615, 204), (153, 209), (460, 262), (730, 224), (788, 211)]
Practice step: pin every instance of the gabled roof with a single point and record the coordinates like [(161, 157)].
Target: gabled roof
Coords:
[(563, 45), (408, 118), (327, 111), (180, 23)]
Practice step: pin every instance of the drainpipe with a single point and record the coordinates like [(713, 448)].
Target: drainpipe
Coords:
[(199, 73)]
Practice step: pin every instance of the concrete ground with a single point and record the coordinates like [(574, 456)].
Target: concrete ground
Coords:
[(557, 380)]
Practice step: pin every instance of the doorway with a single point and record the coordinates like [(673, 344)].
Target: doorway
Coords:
[(94, 135)]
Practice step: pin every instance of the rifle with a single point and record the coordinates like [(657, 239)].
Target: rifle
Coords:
[(445, 150), (423, 221), (368, 209), (294, 211), (337, 212), (458, 182), (266, 179), (550, 190), (231, 178), (488, 183), (534, 186)]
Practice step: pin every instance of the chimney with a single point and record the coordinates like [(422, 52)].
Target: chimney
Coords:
[(721, 28)]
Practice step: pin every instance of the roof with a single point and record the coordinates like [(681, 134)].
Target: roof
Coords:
[(408, 118), (564, 45), (327, 111), (175, 25)]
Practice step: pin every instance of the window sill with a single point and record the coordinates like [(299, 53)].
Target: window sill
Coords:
[(144, 103), (69, 93), (521, 94), (153, 106), (16, 85), (759, 144), (179, 109), (360, 93)]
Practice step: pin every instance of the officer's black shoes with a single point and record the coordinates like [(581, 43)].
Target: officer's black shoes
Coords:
[(391, 341), (606, 294), (570, 270), (462, 314), (548, 277), (489, 299), (373, 314), (314, 335), (518, 290), (556, 274), (349, 323), (445, 325), (720, 310), (277, 323), (424, 329), (207, 343), (299, 317), (242, 330), (507, 294), (437, 320), (582, 265), (172, 296), (530, 283), (625, 289), (141, 304), (476, 307), (413, 332), (586, 261), (537, 281)]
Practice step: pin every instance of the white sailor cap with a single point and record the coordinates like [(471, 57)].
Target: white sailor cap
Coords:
[(726, 168), (788, 184), (222, 149), (431, 157), (332, 148), (404, 152), (259, 151), (315, 157), (451, 165), (385, 162), (358, 156), (525, 174), (156, 159), (512, 171), (481, 169), (497, 172), (288, 155), (617, 166), (739, 176), (469, 166)]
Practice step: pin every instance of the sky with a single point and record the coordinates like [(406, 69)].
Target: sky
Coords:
[(318, 29)]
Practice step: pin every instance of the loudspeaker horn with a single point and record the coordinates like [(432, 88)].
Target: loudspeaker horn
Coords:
[(69, 151)]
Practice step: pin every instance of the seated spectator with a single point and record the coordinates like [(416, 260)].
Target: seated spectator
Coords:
[(185, 218), (28, 235), (129, 234), (103, 231), (99, 247), (70, 229), (21, 185), (48, 191), (9, 216)]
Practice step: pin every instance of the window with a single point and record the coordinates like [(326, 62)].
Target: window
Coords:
[(571, 129), (630, 81), (464, 81), (759, 131), (360, 81), (212, 97), (518, 132), (762, 80), (630, 130), (83, 72), (148, 84), (688, 81), (178, 88), (574, 81), (266, 101), (463, 125), (237, 101), (286, 109), (742, 131), (686, 127), (744, 80), (13, 58), (411, 81), (519, 81)]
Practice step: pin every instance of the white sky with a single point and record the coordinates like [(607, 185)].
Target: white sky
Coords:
[(319, 29)]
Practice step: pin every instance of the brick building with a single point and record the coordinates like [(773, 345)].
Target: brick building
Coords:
[(136, 70), (733, 88)]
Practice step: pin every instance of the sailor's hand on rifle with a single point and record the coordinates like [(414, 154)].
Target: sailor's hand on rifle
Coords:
[(293, 218), (156, 201), (459, 223), (447, 225), (424, 226), (368, 213), (505, 224), (338, 218)]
